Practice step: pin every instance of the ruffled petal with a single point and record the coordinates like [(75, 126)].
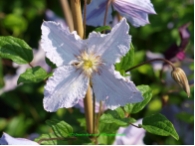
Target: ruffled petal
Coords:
[(96, 11), (109, 86), (136, 11), (113, 46), (60, 45), (65, 88), (6, 139)]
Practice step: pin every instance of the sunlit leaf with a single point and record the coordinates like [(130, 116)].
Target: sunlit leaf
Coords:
[(160, 125), (15, 49), (33, 75)]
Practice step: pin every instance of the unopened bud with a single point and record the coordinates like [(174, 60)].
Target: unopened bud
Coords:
[(180, 77)]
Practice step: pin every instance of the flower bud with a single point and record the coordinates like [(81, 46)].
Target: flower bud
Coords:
[(180, 77)]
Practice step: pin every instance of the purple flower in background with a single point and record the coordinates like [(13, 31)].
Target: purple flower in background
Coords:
[(175, 51), (133, 135), (80, 61), (51, 16), (6, 139), (136, 11)]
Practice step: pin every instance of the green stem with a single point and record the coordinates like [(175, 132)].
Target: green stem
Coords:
[(135, 125), (149, 61), (30, 65)]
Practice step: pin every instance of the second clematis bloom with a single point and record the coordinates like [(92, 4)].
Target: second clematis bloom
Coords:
[(136, 11), (83, 62), (6, 139)]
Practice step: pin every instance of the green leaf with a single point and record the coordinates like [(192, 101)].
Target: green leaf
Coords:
[(51, 64), (116, 117), (105, 128), (33, 75), (102, 28), (63, 135), (110, 121), (127, 61), (106, 140), (60, 128), (52, 139), (136, 107), (159, 125), (15, 49)]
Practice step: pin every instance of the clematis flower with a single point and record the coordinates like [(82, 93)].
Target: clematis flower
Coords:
[(136, 11), (133, 135), (6, 139), (80, 62)]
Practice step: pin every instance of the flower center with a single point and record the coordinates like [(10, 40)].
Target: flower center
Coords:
[(88, 62)]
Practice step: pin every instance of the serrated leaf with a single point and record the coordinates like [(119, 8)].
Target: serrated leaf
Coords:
[(33, 75), (117, 117), (52, 139), (15, 49), (136, 107), (127, 61), (60, 128), (159, 125), (102, 28)]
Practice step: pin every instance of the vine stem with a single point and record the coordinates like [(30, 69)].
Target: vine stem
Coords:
[(88, 106), (106, 12), (99, 114), (84, 18), (94, 118), (135, 125), (30, 65), (119, 17), (149, 61), (67, 14), (77, 17)]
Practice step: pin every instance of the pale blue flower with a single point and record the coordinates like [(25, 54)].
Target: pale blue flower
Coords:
[(136, 11), (6, 139), (82, 61), (132, 135)]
